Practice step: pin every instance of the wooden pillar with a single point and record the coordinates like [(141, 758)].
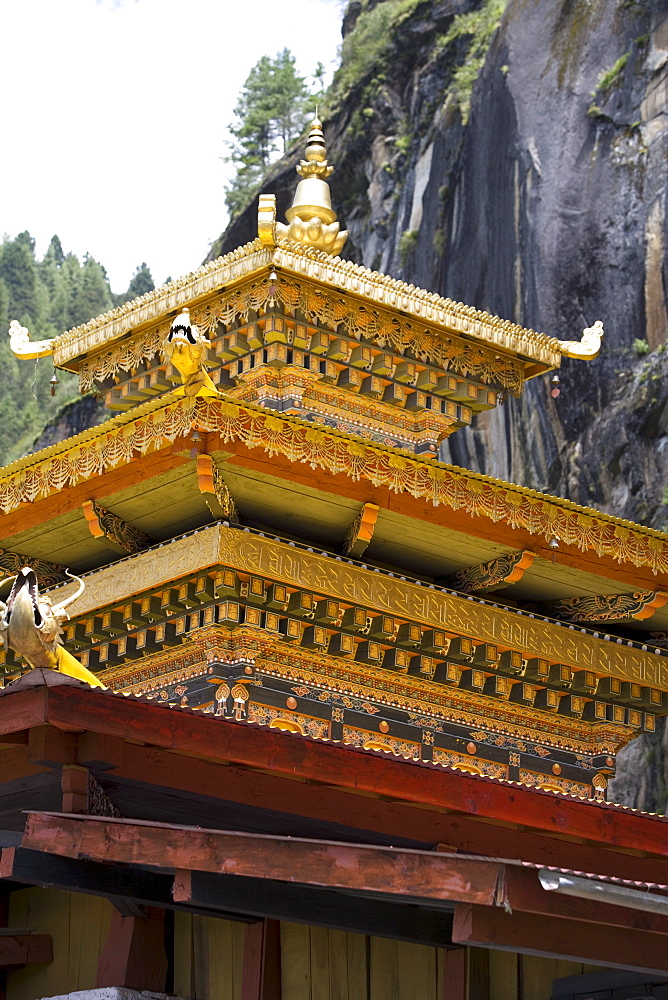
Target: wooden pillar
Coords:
[(261, 975), (479, 987), (134, 953), (454, 979)]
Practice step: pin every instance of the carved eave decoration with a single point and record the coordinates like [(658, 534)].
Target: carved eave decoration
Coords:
[(639, 605), (159, 423), (334, 290)]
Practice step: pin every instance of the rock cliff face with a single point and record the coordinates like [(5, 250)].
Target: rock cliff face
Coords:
[(547, 206), (512, 154)]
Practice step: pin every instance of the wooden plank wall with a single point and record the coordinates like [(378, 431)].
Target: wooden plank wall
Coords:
[(78, 925), (316, 963), (321, 964), (208, 957)]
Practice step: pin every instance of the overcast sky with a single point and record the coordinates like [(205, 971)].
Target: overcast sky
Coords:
[(113, 114)]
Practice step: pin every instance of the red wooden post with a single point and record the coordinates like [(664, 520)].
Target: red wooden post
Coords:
[(134, 952), (261, 975), (454, 974)]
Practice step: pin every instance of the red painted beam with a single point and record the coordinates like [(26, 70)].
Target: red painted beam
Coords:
[(415, 874), (364, 771), (167, 771), (525, 894), (552, 937)]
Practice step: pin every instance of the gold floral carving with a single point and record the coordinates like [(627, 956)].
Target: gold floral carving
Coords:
[(48, 574), (506, 569), (119, 534), (641, 604), (120, 440)]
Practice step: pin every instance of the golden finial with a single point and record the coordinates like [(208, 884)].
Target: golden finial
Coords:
[(312, 220)]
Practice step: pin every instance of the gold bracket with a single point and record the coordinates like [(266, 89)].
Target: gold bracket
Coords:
[(215, 490), (117, 533), (491, 575), (360, 532)]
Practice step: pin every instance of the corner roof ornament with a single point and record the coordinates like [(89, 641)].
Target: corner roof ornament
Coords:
[(587, 348), (311, 219)]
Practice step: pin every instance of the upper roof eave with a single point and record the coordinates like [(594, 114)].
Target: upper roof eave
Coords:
[(379, 290)]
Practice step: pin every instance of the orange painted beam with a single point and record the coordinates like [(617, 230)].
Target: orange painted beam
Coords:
[(552, 937), (352, 867), (43, 510)]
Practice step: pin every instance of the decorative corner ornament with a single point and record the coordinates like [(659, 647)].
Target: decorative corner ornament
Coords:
[(30, 627), (186, 349), (24, 348), (587, 348), (117, 533), (266, 220), (641, 604)]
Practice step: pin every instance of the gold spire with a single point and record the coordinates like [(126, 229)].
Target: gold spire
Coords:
[(312, 220)]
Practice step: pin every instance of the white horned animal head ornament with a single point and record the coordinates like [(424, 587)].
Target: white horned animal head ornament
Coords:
[(30, 626)]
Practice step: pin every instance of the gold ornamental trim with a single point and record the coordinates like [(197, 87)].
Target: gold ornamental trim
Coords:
[(156, 424), (274, 658), (108, 327), (258, 555), (249, 553), (331, 274), (333, 309)]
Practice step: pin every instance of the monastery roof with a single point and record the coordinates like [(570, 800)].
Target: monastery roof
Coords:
[(161, 420), (253, 259)]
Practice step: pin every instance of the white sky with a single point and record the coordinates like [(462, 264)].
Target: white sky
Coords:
[(114, 112)]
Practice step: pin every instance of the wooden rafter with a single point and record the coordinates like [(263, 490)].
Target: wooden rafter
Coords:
[(553, 937), (412, 874)]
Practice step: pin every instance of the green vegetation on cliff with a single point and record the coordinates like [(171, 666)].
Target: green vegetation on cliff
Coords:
[(47, 296), (272, 110)]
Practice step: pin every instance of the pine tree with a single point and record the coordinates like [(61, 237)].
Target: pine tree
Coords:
[(48, 297), (141, 282), (271, 112)]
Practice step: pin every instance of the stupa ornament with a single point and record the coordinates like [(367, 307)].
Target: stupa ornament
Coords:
[(311, 219)]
